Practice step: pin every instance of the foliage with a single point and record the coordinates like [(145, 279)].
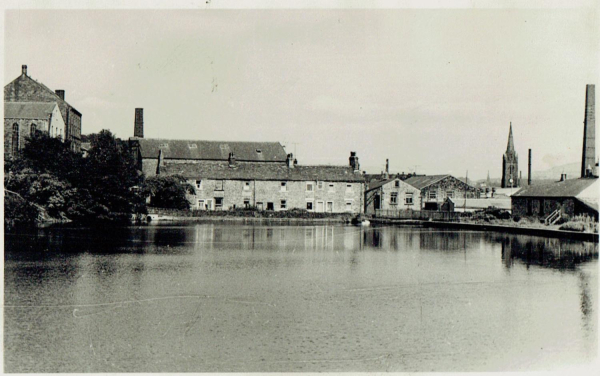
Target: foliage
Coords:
[(18, 210), (581, 223), (167, 191), (101, 187)]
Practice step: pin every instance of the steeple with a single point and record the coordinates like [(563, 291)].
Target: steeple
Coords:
[(511, 144)]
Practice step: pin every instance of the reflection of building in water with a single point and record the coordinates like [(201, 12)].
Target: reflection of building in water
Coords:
[(558, 254)]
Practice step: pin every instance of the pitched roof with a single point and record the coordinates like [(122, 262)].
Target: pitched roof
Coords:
[(28, 110), (213, 150), (384, 182), (261, 171), (424, 181), (566, 188), (25, 88)]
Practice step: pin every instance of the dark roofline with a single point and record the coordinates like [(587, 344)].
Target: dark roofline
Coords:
[(225, 142), (59, 99)]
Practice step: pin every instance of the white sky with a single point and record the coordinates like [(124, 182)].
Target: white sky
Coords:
[(435, 88)]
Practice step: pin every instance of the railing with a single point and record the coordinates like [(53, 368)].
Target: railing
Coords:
[(552, 218), (422, 215)]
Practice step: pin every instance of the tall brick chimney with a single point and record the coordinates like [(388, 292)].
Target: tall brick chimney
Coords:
[(24, 69), (139, 123), (529, 170), (60, 93), (588, 159)]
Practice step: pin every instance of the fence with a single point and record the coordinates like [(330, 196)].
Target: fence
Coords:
[(423, 215)]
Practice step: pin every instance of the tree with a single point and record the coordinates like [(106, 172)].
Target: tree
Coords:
[(167, 191)]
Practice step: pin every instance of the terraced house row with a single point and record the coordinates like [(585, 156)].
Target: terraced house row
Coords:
[(228, 175)]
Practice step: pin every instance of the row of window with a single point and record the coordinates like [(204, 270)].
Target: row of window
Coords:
[(408, 198), (321, 206), (54, 132), (310, 186)]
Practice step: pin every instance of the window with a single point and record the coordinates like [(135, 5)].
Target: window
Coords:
[(331, 187), (450, 194), (320, 185), (283, 186), (348, 206), (219, 203), (198, 184), (309, 205), (219, 185), (15, 139), (432, 195), (33, 129), (397, 183), (163, 145), (259, 205), (329, 207), (201, 205), (283, 204), (310, 187), (258, 151), (192, 146), (270, 206), (408, 199), (246, 186), (348, 188), (394, 198), (246, 203)]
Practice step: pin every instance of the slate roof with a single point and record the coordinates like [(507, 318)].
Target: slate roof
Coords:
[(261, 171), (212, 150), (28, 110), (566, 188), (378, 184), (25, 88), (424, 181)]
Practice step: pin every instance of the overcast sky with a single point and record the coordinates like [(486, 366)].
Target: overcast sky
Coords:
[(435, 89)]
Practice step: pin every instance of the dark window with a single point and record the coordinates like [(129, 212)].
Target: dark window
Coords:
[(219, 185), (397, 183), (15, 139), (270, 206), (218, 203), (309, 205), (33, 129), (246, 203), (283, 204)]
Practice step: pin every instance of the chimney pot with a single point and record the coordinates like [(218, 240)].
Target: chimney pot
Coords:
[(24, 69)]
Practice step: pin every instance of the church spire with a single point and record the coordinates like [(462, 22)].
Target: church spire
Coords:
[(511, 145)]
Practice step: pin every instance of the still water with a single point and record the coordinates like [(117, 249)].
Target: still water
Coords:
[(232, 298)]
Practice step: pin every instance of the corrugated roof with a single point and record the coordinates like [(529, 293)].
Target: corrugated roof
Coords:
[(28, 110), (261, 171), (213, 150), (567, 188), (421, 182)]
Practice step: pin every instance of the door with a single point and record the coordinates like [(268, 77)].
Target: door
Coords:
[(270, 206), (329, 207), (377, 202), (320, 206)]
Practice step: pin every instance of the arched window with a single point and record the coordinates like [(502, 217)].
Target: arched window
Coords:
[(33, 129), (15, 139)]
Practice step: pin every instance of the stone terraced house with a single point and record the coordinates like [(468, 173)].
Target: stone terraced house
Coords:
[(229, 174)]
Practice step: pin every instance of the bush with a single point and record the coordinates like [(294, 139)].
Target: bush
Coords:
[(581, 223)]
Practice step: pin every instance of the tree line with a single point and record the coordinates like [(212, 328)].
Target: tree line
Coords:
[(48, 180)]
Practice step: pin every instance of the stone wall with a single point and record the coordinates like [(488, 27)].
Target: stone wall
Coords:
[(541, 207), (449, 187), (24, 131), (402, 192), (341, 197)]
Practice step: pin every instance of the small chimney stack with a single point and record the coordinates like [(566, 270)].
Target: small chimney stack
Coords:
[(231, 160), (61, 94), (139, 123), (387, 167), (24, 69), (289, 160), (529, 169), (354, 161)]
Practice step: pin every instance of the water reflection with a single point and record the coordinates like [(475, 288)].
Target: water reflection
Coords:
[(216, 297)]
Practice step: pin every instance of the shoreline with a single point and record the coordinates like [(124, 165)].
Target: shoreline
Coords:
[(574, 235)]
